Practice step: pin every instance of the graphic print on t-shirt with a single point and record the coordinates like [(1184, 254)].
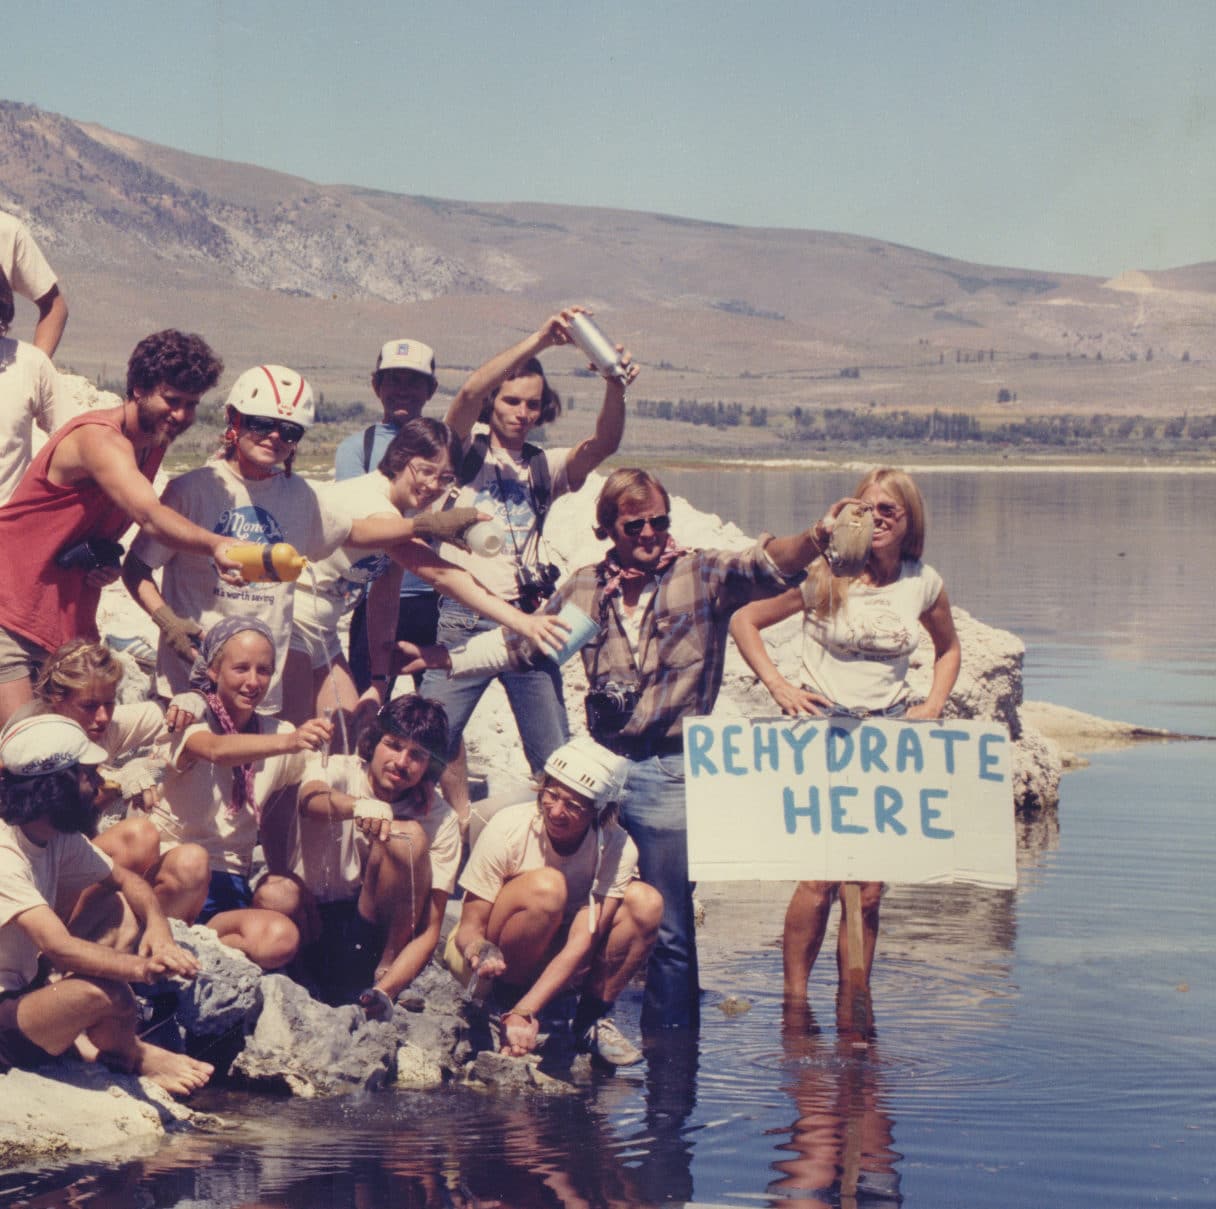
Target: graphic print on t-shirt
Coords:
[(875, 631), (249, 523), (355, 580)]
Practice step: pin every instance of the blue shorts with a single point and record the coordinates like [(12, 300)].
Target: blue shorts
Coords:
[(225, 892)]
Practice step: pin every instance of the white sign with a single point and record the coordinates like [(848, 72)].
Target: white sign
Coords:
[(847, 799)]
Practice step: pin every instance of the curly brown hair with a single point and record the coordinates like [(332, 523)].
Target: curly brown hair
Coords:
[(181, 360)]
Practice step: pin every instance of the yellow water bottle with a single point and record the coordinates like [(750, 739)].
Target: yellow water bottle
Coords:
[(259, 562)]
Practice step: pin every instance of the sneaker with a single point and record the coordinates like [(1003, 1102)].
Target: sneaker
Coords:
[(138, 647), (603, 1040)]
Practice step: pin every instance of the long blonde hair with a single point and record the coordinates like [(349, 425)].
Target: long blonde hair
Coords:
[(826, 592)]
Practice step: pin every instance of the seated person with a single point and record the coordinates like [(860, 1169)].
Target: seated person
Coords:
[(80, 681), (378, 855), (225, 768), (46, 815), (551, 902)]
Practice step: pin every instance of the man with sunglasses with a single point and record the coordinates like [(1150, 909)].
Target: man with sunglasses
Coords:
[(663, 614)]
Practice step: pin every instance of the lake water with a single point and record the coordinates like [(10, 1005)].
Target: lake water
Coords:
[(1053, 1045)]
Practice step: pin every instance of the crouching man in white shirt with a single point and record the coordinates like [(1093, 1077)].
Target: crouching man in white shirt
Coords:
[(552, 902), (377, 858)]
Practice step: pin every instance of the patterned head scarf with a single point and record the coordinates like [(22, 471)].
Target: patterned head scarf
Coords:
[(210, 649)]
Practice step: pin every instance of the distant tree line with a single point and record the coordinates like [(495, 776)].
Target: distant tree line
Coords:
[(693, 411), (837, 424)]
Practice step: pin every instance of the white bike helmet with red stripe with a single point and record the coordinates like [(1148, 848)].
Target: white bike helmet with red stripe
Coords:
[(275, 391)]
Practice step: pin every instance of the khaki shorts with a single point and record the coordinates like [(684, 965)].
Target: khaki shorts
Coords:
[(321, 646), (19, 657)]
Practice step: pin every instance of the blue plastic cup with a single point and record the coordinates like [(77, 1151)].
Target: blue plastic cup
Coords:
[(582, 631)]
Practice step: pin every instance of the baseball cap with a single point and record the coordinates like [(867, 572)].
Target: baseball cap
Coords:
[(407, 354), (47, 743)]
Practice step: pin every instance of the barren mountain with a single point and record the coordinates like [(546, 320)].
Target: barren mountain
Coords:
[(273, 267)]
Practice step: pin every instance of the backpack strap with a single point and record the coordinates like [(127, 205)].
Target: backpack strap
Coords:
[(540, 487), (369, 439)]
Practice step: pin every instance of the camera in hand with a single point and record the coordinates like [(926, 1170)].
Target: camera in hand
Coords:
[(609, 708), (90, 554), (536, 583)]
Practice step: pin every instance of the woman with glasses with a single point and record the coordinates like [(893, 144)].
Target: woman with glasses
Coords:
[(414, 473), (248, 492), (857, 637)]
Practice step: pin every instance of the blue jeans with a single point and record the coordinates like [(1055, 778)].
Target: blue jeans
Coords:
[(535, 695), (652, 811)]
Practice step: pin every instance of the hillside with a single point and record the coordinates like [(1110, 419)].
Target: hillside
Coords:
[(274, 267)]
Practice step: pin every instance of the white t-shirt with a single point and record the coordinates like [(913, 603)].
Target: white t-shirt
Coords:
[(278, 509), (31, 876), (515, 841), (29, 395), (330, 856), (500, 488), (22, 260), (132, 726), (338, 582), (194, 801), (859, 656)]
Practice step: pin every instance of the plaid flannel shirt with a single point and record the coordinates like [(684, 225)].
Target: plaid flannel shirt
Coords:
[(682, 635)]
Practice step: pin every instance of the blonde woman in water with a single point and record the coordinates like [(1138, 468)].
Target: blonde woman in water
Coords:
[(857, 637)]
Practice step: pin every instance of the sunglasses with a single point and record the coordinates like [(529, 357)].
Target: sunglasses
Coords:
[(263, 426), (660, 524), (888, 512)]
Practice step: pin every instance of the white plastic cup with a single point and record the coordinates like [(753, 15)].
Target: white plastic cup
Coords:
[(582, 631), (485, 538)]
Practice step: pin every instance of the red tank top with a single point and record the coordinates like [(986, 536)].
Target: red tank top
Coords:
[(38, 600)]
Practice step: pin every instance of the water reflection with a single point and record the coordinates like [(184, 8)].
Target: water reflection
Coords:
[(842, 1139)]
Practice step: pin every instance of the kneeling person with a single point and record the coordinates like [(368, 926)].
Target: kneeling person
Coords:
[(378, 855), (46, 814), (552, 902)]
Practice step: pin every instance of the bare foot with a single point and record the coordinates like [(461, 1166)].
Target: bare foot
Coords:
[(178, 1074)]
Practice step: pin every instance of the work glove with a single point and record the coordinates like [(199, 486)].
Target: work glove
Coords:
[(446, 526), (182, 634)]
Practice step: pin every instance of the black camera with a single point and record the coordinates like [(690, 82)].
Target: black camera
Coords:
[(536, 583), (89, 554), (609, 708)]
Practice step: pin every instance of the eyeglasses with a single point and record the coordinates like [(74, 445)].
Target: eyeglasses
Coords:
[(660, 524), (429, 474), (889, 512), (263, 426), (551, 799)]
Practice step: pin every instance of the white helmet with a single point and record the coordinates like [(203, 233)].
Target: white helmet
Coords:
[(275, 391), (590, 769)]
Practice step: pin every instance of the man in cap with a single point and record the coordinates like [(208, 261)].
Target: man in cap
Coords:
[(552, 902), (59, 531), (404, 381), (47, 789)]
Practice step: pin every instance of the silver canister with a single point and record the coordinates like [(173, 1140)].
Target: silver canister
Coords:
[(601, 352)]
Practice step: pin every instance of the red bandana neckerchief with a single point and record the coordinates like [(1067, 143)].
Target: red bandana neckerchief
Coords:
[(613, 576), (242, 774)]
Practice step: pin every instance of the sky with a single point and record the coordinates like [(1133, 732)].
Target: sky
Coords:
[(1066, 136)]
